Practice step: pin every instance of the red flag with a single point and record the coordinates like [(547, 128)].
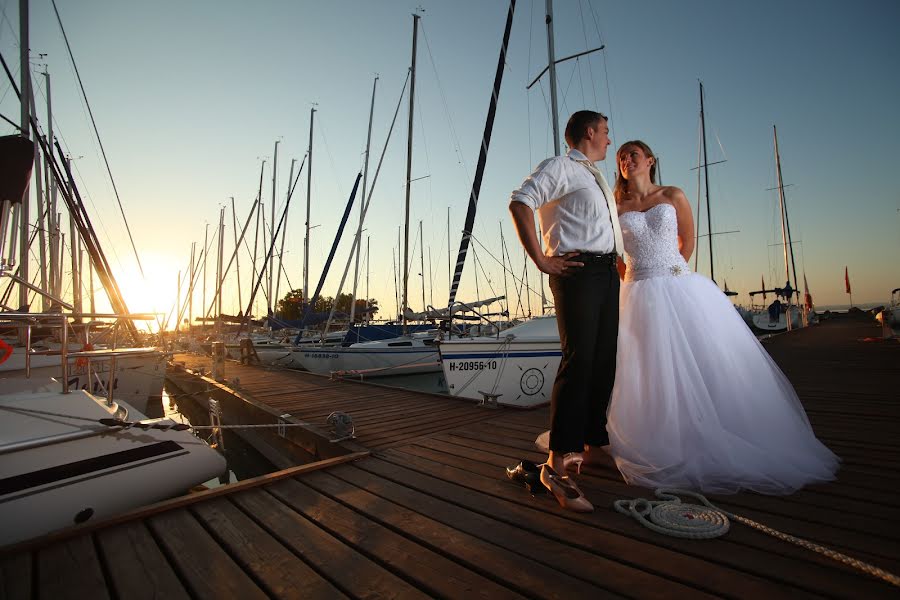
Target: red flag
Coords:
[(847, 280), (763, 280)]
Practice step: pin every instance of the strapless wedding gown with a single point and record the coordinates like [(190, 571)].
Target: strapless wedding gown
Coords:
[(698, 402)]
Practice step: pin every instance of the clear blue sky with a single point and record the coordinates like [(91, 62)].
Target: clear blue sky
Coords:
[(189, 97)]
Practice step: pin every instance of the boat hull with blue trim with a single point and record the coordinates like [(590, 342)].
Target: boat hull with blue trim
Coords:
[(518, 366), (60, 466)]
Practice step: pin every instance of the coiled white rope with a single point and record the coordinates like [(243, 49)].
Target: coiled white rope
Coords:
[(670, 516)]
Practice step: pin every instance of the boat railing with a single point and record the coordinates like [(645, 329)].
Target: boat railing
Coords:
[(60, 320)]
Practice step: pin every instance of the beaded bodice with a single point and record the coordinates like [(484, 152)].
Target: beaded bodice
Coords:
[(651, 243)]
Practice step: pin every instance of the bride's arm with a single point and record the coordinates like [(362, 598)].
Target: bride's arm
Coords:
[(685, 217)]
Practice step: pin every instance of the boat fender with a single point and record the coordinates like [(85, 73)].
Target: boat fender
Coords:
[(5, 351)]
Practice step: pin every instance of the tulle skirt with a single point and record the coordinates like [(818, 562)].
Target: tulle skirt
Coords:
[(698, 403)]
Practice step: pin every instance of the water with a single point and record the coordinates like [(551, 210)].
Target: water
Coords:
[(244, 462)]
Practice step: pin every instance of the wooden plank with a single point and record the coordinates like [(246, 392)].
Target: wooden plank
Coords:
[(272, 566), (164, 505), (840, 539), (509, 568), (747, 547), (15, 577), (352, 572), (137, 567), (421, 565), (604, 558), (204, 567), (70, 569)]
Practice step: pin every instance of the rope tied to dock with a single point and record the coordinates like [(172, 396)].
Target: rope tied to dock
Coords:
[(670, 516)]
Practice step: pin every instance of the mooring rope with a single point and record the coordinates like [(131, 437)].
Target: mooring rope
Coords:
[(669, 516)]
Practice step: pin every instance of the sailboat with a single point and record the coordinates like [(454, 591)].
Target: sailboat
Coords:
[(69, 456), (775, 317), (517, 366)]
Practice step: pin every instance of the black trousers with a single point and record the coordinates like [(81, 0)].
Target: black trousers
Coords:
[(587, 313)]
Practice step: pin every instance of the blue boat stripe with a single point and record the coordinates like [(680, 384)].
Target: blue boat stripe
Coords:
[(512, 354)]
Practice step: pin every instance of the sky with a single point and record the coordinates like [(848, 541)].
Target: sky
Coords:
[(190, 97)]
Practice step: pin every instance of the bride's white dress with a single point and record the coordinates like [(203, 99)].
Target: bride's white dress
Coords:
[(698, 403)]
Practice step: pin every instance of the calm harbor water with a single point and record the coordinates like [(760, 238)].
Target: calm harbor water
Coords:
[(244, 462)]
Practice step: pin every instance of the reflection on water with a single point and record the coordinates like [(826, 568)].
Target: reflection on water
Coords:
[(244, 462)]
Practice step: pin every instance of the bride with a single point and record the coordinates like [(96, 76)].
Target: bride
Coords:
[(698, 403)]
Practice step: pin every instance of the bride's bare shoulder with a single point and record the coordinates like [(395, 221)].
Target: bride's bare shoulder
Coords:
[(673, 195)]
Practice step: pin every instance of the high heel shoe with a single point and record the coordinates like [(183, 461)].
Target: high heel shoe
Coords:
[(528, 473), (573, 458), (564, 489)]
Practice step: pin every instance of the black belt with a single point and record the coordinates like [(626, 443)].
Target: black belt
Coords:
[(608, 259)]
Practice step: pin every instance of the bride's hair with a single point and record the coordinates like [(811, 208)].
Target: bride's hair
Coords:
[(621, 187)]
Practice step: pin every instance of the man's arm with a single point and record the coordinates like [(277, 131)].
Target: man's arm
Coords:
[(523, 220)]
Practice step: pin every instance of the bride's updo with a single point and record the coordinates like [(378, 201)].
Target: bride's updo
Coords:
[(621, 188)]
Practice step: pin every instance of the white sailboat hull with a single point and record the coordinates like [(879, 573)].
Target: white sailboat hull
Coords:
[(60, 471), (140, 375), (519, 366), (374, 362)]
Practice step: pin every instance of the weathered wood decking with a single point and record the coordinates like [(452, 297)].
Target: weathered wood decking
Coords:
[(433, 515), (383, 416)]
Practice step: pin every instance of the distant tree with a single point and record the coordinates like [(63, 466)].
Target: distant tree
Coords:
[(291, 306)]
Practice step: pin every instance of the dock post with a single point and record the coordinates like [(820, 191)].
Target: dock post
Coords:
[(218, 366)]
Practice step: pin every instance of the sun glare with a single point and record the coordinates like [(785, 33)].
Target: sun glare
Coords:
[(155, 291)]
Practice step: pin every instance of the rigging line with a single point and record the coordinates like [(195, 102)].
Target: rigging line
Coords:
[(99, 141), (337, 181), (5, 118), (509, 269), (59, 137), (12, 29), (586, 45), (566, 92), (480, 266), (456, 145), (605, 72)]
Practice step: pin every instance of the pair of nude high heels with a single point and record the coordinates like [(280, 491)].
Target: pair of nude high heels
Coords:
[(565, 490)]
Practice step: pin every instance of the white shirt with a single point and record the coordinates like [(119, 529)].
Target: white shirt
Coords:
[(571, 208)]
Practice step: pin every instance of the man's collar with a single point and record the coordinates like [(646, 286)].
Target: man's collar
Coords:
[(577, 155)]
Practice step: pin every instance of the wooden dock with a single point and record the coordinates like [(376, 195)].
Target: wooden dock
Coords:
[(428, 512)]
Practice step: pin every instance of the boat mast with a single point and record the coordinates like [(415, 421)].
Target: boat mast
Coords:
[(25, 80), (191, 289), (290, 190), (362, 205), (259, 209), (409, 145), (551, 61), (219, 274), (52, 217), (236, 253), (469, 225), (309, 152), (784, 227), (368, 255), (422, 265), (203, 295), (706, 176), (73, 247), (271, 261)]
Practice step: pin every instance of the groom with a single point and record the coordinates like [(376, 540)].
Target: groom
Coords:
[(581, 235)]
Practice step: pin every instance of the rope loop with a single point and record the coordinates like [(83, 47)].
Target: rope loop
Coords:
[(669, 516)]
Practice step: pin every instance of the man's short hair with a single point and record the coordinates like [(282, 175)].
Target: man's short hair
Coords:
[(578, 124)]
